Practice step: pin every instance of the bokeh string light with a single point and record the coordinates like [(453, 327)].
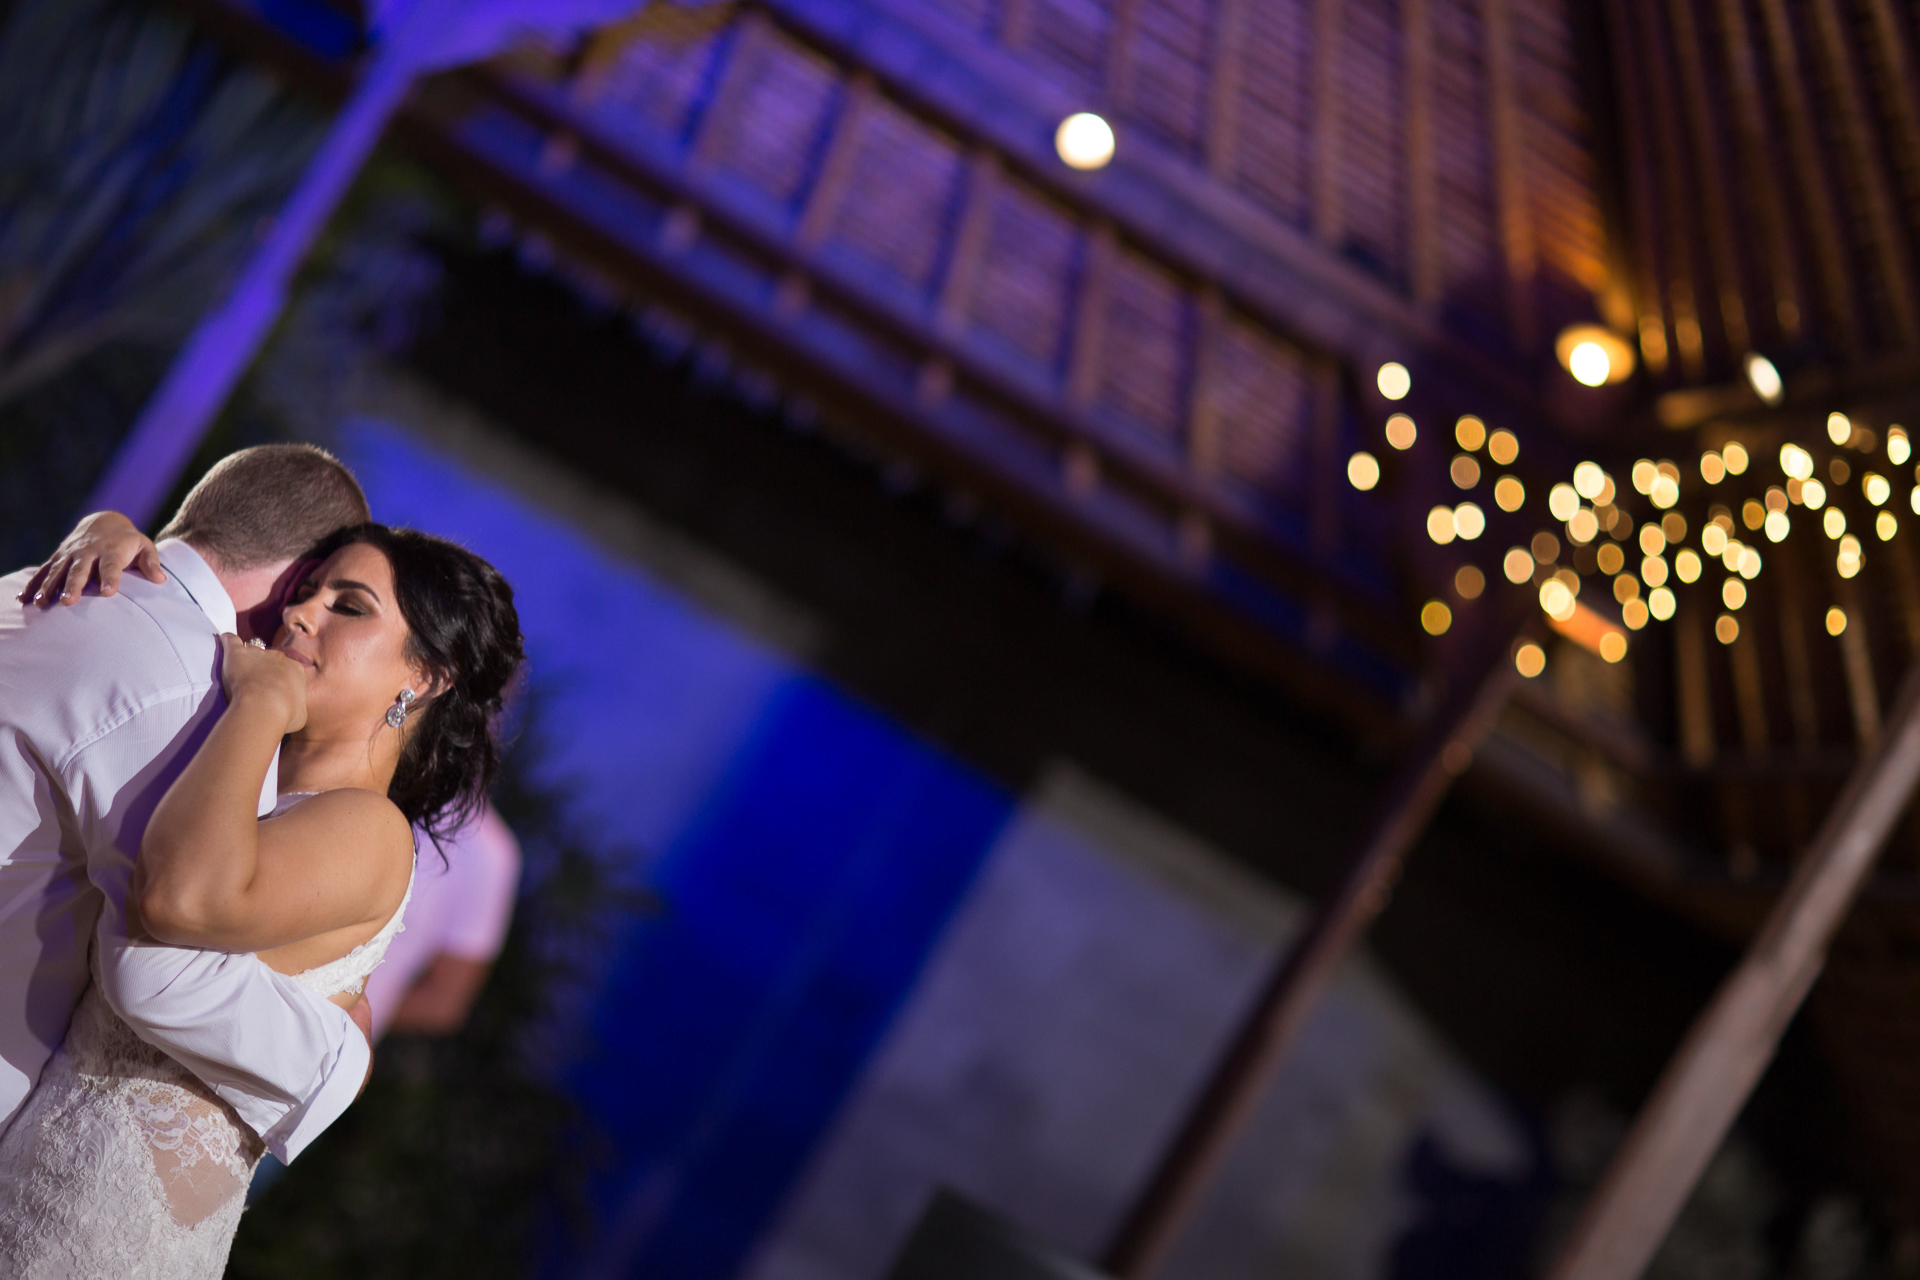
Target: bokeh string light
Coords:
[(1601, 529)]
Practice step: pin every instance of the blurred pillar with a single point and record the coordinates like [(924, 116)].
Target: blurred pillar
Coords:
[(1730, 1044), (162, 441), (1481, 679)]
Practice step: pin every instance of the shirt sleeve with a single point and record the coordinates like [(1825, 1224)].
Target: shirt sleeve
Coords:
[(288, 1061), (484, 875)]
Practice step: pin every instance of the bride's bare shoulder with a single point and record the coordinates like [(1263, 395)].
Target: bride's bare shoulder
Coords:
[(366, 818)]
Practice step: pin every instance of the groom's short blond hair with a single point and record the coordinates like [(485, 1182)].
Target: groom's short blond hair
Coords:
[(267, 504)]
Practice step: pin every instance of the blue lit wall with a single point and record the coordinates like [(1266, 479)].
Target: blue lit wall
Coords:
[(808, 851)]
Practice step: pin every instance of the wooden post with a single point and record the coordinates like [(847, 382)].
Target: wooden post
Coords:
[(1731, 1043), (1441, 753)]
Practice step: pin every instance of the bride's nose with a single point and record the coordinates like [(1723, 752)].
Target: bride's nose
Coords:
[(299, 617)]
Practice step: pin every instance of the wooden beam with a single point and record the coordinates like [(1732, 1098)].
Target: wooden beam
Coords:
[(1327, 36), (1722, 235), (1416, 37), (1759, 174), (1865, 157), (1690, 675), (1729, 1046), (953, 300), (1088, 338), (835, 170), (1224, 85), (1889, 49), (1810, 172), (1520, 251), (1680, 279), (1481, 683), (1649, 298)]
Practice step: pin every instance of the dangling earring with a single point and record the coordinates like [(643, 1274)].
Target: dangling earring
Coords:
[(397, 713)]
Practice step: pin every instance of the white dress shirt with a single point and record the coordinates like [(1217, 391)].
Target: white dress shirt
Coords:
[(102, 703)]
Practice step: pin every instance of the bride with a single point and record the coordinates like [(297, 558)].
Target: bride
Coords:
[(380, 692)]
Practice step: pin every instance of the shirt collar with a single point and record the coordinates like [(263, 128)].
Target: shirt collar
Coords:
[(184, 565)]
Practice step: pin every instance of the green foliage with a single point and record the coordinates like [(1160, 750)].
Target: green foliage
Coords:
[(461, 1153)]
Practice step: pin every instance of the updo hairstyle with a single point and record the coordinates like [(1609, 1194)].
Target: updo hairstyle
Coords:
[(462, 627)]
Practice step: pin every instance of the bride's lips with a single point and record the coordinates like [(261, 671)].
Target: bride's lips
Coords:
[(300, 658)]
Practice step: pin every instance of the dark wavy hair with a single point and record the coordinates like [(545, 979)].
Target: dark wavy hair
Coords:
[(462, 627)]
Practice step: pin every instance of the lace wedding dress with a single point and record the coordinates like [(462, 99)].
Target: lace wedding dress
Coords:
[(122, 1165)]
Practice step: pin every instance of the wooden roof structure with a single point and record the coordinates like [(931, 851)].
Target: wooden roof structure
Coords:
[(1165, 369)]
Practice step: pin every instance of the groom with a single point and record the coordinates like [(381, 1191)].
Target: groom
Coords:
[(101, 705)]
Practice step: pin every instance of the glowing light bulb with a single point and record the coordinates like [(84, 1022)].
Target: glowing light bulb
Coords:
[(1435, 618), (1660, 603), (1634, 614), (1613, 647), (1839, 428), (1471, 433), (1735, 456), (1401, 432), (1589, 480), (1834, 522), (1563, 501), (1084, 141), (1836, 621), (1469, 521), (1885, 525), (1509, 494), (1733, 593), (1588, 364), (1814, 494), (1899, 448), (1686, 565), (1530, 660), (1712, 468), (1556, 599), (1393, 380), (1726, 628), (1503, 447), (1775, 525), (1440, 525), (1876, 488)]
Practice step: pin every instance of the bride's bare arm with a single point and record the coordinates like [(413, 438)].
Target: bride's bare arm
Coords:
[(105, 543), (211, 874)]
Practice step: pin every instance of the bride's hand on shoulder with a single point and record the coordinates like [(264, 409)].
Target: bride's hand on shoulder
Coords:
[(106, 543), (254, 675)]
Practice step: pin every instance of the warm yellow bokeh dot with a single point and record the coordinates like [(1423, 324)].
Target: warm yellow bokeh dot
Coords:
[(1401, 433), (1634, 614), (1469, 582), (1503, 447), (1610, 558), (1626, 587), (1470, 432), (1517, 564), (1886, 524), (1509, 494), (1363, 471), (1836, 621), (1735, 459), (1726, 628), (1733, 593), (1613, 646), (1530, 660), (1435, 618), (1440, 525), (1686, 565), (1660, 603)]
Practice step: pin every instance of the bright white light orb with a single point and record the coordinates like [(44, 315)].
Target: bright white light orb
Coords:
[(1839, 428), (1588, 364), (1394, 381), (1589, 481), (1084, 141), (1764, 378), (1795, 461)]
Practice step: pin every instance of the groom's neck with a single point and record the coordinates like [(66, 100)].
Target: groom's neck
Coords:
[(257, 593)]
